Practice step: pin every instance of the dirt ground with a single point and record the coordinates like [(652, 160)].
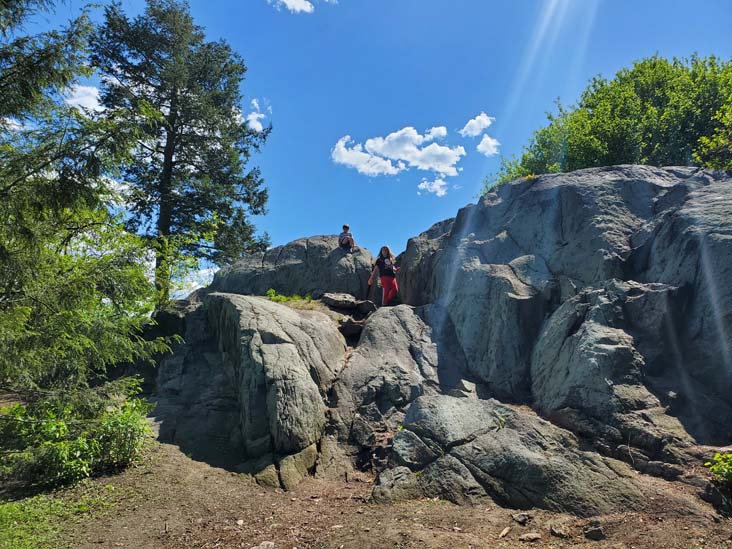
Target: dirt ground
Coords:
[(171, 501)]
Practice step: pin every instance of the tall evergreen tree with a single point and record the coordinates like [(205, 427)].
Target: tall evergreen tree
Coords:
[(72, 287), (191, 192)]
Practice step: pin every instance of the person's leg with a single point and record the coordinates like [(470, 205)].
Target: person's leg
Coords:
[(393, 290), (389, 285), (384, 290)]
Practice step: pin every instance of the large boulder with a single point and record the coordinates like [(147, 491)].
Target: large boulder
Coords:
[(470, 451), (504, 264), (250, 382), (689, 246), (597, 297), (313, 266), (607, 366), (397, 360)]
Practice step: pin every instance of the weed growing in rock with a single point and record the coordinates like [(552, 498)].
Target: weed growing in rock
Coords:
[(272, 295), (721, 468)]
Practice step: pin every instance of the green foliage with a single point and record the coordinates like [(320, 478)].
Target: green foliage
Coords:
[(74, 295), (721, 468), (62, 438), (188, 173), (272, 295), (657, 112), (37, 522)]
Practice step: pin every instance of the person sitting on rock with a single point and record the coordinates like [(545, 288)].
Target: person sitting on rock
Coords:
[(387, 269), (345, 240)]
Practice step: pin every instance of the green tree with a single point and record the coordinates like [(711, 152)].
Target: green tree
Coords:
[(191, 192), (74, 296), (657, 112)]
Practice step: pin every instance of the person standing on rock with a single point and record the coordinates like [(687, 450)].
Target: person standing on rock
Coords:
[(387, 269), (345, 240)]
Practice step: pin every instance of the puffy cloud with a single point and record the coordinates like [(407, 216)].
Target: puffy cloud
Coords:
[(11, 124), (437, 187), (254, 118), (488, 145), (254, 121), (401, 151), (84, 97), (294, 6), (364, 162), (474, 127), (405, 146), (437, 132)]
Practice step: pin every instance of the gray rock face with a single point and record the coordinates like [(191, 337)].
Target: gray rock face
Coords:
[(690, 246), (605, 367), (599, 298), (396, 361), (503, 265), (313, 265), (259, 384), (469, 451)]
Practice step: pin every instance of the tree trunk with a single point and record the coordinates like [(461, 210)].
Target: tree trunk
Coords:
[(163, 251)]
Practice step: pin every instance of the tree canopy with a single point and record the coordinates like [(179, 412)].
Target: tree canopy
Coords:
[(190, 190), (658, 112), (74, 295)]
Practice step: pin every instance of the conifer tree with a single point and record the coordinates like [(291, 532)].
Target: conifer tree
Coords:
[(191, 192)]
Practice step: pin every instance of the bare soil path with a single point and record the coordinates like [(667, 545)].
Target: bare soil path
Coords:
[(171, 501)]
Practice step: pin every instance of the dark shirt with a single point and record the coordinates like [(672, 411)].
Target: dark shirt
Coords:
[(386, 267)]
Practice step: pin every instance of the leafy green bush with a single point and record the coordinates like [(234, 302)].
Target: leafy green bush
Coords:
[(272, 295), (721, 468), (61, 439), (658, 112)]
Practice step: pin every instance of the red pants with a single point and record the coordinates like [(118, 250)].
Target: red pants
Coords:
[(390, 289)]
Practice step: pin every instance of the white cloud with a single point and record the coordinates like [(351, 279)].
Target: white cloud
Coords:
[(488, 146), (254, 121), (84, 97), (474, 127), (254, 118), (294, 6), (404, 146), (364, 162), (436, 133), (437, 187)]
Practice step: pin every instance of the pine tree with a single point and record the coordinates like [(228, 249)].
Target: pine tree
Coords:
[(191, 193)]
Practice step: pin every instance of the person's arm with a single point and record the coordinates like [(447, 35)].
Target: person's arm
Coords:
[(373, 273)]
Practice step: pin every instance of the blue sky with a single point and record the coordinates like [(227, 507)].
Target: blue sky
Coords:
[(402, 78)]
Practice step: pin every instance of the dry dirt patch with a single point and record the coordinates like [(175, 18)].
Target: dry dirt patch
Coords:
[(171, 501)]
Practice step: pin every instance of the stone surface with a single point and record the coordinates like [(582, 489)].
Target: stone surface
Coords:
[(502, 265), (295, 467), (395, 362), (252, 376), (599, 298), (491, 451), (339, 301), (313, 265), (604, 366)]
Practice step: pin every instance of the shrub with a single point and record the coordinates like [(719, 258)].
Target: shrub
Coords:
[(61, 439), (721, 468)]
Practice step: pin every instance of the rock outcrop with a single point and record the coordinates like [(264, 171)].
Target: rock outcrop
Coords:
[(559, 327), (308, 266), (470, 451), (250, 381)]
